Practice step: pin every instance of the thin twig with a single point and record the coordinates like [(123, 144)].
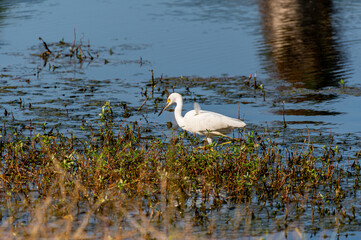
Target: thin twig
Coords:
[(255, 80), (146, 99), (46, 46), (249, 79), (283, 113)]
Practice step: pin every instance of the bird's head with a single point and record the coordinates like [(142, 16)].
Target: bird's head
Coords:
[(173, 98)]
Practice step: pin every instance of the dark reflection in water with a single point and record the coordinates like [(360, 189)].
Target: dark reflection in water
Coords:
[(301, 42), (2, 12), (306, 112), (316, 97)]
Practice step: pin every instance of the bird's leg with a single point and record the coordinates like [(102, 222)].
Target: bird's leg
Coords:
[(205, 147), (209, 140), (222, 135), (201, 148), (224, 143)]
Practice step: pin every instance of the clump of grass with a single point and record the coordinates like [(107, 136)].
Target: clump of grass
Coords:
[(115, 183)]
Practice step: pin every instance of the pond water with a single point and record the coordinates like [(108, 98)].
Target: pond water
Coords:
[(306, 53), (290, 45)]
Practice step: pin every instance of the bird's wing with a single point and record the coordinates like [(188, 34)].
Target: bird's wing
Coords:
[(197, 108), (206, 122)]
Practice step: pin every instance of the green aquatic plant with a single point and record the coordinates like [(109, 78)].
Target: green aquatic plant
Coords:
[(120, 180), (342, 83)]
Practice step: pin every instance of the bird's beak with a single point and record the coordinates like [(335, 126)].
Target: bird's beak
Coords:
[(166, 106)]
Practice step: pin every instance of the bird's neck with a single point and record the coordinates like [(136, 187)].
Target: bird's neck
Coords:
[(178, 114)]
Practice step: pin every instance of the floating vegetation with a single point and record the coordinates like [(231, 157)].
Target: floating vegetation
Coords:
[(118, 184), (62, 50)]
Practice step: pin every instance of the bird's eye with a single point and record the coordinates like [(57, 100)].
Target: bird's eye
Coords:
[(168, 100)]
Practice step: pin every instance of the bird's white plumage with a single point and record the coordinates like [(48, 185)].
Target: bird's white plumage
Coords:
[(197, 108), (209, 124)]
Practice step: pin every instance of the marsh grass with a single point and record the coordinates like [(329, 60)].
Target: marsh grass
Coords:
[(114, 183)]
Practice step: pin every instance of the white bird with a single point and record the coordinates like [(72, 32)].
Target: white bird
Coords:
[(209, 124)]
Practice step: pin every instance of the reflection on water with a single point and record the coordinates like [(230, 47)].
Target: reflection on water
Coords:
[(2, 12), (301, 39)]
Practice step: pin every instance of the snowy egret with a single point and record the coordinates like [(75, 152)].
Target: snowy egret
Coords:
[(209, 124)]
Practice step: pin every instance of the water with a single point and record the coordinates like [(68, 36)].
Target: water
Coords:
[(202, 38), (300, 50)]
